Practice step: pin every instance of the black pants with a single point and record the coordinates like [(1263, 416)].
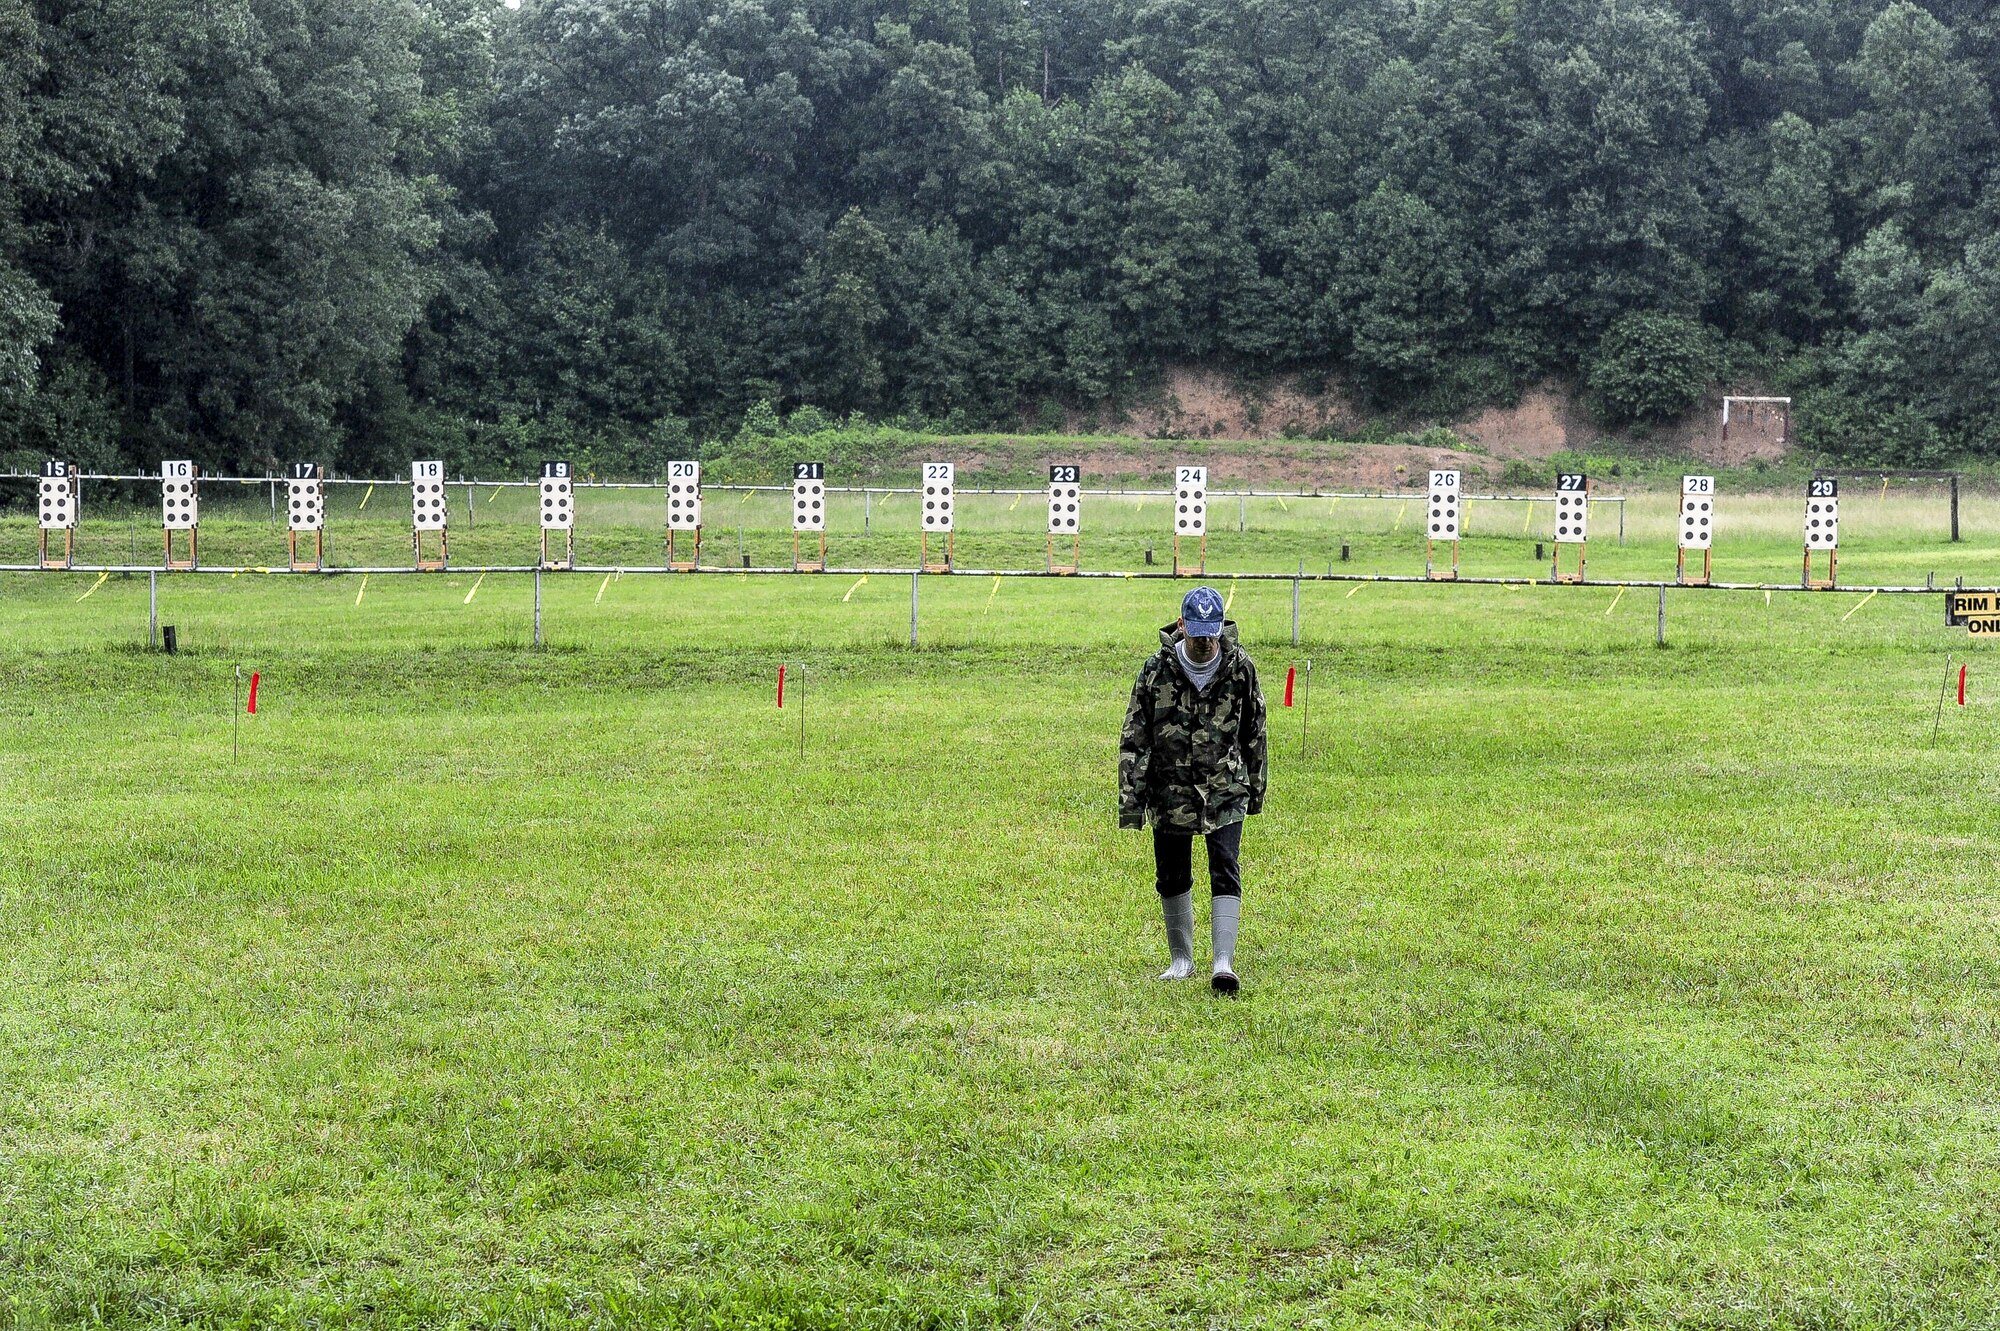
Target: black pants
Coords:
[(1173, 862)]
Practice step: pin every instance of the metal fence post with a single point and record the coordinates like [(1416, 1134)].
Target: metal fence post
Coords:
[(1295, 603), (538, 607), (914, 575), (152, 609), (1660, 633)]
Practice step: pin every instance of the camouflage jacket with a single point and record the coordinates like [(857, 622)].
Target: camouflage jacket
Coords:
[(1192, 762)]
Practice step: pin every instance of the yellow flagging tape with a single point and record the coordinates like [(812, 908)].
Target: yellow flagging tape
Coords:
[(1864, 601), (475, 588), (1529, 519), (990, 595), (850, 591), (1767, 598), (1614, 603), (1357, 587), (1016, 504), (94, 586), (1230, 599), (1399, 516), (364, 588), (1885, 489), (364, 500), (600, 589), (1282, 504)]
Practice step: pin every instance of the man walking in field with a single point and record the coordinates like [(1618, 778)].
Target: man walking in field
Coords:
[(1192, 763)]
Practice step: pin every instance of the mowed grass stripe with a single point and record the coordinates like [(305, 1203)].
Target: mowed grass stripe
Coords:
[(1586, 981)]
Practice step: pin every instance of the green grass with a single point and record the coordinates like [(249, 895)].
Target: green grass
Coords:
[(1586, 983)]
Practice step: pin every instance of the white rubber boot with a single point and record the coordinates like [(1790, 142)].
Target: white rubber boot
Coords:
[(1179, 913), (1224, 913)]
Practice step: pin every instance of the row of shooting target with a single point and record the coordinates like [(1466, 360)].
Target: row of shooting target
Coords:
[(305, 490)]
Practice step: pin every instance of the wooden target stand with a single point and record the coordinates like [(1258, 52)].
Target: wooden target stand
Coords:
[(1431, 570), (930, 564), (182, 481), (566, 560), (435, 563), (1572, 518), (1822, 532), (812, 563), (305, 508), (693, 561), (427, 513), (61, 496), (939, 499), (1555, 565), (318, 559), (1075, 555), (809, 514), (1697, 530), (68, 556), (1442, 527), (1191, 517)]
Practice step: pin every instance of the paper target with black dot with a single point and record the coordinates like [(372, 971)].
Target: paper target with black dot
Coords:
[(683, 496), (1190, 501), (808, 496), (1065, 500), (427, 508), (1572, 507), (1822, 513), (558, 497), (1444, 506), (305, 497), (1697, 512), (180, 506), (939, 484), (57, 498)]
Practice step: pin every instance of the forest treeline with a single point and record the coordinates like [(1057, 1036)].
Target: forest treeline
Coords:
[(251, 231)]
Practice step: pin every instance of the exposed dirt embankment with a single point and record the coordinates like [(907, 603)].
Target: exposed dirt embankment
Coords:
[(1239, 428)]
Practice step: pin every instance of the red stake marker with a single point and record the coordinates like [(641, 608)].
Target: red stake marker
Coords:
[(781, 686), (1961, 686), (1291, 673), (253, 693)]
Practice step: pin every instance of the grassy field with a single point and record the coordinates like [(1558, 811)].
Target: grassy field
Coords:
[(1587, 983)]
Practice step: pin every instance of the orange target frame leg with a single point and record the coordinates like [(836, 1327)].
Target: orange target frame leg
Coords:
[(690, 565)]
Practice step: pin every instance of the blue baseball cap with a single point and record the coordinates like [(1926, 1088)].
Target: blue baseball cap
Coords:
[(1201, 613)]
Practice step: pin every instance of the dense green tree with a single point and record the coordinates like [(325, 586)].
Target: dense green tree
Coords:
[(260, 228)]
